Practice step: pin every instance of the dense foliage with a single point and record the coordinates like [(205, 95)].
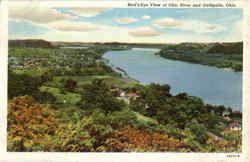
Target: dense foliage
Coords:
[(227, 48), (179, 110), (24, 84), (33, 127), (70, 84), (98, 95), (131, 139), (29, 124), (35, 43)]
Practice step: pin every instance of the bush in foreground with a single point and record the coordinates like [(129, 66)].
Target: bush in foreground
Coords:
[(29, 125)]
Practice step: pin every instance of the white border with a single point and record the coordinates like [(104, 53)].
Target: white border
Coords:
[(147, 157), (3, 75)]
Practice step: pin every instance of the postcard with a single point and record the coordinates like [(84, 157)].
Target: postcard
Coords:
[(124, 81)]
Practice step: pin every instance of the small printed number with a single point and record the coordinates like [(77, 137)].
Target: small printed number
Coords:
[(233, 156)]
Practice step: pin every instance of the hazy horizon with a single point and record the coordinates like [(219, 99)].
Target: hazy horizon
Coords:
[(120, 42)]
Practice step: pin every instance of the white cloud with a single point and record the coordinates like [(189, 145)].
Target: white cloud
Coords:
[(107, 34), (167, 22), (120, 35), (38, 15), (201, 27), (126, 20), (188, 25), (88, 12), (236, 34), (111, 34), (238, 29), (51, 18), (144, 32), (146, 17), (76, 26)]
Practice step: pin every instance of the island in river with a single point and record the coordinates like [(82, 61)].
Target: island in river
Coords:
[(66, 99)]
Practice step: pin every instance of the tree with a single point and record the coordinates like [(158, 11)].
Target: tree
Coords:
[(22, 84), (98, 95), (70, 84), (220, 109), (47, 76), (199, 131), (160, 90)]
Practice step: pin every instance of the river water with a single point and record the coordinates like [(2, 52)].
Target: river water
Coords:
[(213, 85)]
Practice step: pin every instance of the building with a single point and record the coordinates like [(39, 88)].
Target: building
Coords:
[(234, 126), (132, 96), (127, 97)]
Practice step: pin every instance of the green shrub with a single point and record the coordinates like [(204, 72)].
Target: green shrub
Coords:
[(70, 84), (122, 118), (22, 84), (98, 95)]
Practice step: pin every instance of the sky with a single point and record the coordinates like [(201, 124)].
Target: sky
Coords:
[(138, 25)]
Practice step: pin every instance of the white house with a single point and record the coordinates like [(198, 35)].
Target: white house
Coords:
[(235, 126)]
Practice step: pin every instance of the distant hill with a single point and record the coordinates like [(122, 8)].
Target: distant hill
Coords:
[(34, 43), (227, 48), (71, 44), (113, 44), (221, 55), (222, 48)]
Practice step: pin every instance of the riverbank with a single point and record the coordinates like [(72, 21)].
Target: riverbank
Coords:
[(224, 55)]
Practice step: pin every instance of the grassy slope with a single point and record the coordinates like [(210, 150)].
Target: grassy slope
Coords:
[(69, 97), (110, 80), (143, 118)]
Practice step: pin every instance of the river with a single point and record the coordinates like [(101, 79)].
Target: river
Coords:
[(215, 86)]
